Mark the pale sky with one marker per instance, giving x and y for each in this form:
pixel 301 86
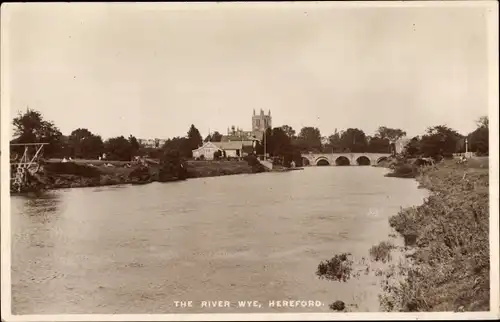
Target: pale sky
pixel 152 71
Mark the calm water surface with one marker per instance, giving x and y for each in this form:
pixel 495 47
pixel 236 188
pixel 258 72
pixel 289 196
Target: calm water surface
pixel 137 249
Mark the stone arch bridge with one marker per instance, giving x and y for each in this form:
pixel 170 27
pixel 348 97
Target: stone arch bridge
pixel 336 159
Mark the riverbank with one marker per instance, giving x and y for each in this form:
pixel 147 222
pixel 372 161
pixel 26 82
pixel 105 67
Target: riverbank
pixel 200 169
pixel 447 243
pixel 94 173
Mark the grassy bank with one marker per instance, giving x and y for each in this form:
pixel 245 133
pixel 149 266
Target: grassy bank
pixel 198 169
pixel 92 173
pixel 448 240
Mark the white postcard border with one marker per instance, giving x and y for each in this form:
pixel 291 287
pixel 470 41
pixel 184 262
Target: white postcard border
pixel 492 8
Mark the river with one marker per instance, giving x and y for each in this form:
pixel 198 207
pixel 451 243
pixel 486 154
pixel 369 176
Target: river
pixel 137 249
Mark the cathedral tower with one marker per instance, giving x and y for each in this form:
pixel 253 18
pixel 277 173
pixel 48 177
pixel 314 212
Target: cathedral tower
pixel 261 122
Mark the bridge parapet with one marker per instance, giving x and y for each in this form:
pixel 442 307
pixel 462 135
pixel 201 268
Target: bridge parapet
pixel 344 158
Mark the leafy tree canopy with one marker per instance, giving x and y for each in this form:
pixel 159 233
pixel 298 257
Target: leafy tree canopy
pixel 479 138
pixel 194 138
pixel 354 140
pixel 391 134
pixel 439 140
pixel 289 131
pixel 30 127
pixel 84 144
pixel 119 148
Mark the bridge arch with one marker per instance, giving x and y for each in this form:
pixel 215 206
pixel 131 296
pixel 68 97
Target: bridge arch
pixel 322 161
pixel 363 160
pixel 305 161
pixel 342 160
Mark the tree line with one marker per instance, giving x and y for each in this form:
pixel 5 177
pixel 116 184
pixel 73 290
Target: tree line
pixel 282 142
pixel 442 141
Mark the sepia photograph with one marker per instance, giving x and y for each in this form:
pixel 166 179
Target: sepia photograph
pixel 249 161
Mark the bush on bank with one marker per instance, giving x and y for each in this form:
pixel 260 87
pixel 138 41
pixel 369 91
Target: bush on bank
pixel 382 251
pixel 338 268
pixel 172 167
pixel 255 164
pixel 404 171
pixel 450 268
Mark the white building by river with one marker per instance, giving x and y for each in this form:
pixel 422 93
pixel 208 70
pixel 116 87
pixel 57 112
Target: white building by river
pixel 233 149
pixel 207 150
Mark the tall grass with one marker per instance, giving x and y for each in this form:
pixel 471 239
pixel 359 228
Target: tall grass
pixel 450 266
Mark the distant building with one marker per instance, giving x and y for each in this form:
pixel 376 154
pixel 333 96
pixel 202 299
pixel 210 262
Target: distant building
pixel 152 143
pixel 207 150
pixel 232 149
pixel 260 122
pixel 235 149
pixel 236 134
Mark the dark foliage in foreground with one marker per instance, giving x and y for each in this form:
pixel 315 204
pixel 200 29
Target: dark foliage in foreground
pixel 382 251
pixel 404 170
pixel 339 268
pixel 450 231
pixel 337 306
pixel 172 167
pixel 255 164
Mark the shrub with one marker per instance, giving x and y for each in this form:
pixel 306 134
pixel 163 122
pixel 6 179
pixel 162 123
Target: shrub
pixel 339 268
pixel 252 160
pixel 382 251
pixel 141 174
pixel 404 170
pixel 337 306
pixel 172 167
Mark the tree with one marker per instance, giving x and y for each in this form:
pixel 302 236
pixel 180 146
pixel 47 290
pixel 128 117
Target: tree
pixel 216 137
pixel 412 148
pixel 134 143
pixel 119 148
pixel 282 146
pixel 483 122
pixel 439 141
pixel 281 142
pixel 194 139
pixel 379 145
pixel 309 139
pixel 354 140
pixel 391 134
pixel 289 131
pixel 259 148
pixel 180 145
pixel 267 141
pixel 84 144
pixel 30 127
pixel 334 142
pixel 172 167
pixel 479 138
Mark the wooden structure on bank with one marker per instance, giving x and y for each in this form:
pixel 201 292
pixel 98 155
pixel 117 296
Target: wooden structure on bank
pixel 25 166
